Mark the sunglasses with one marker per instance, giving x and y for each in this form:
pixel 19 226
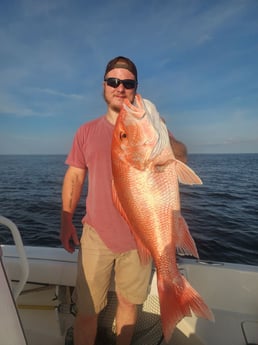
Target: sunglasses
pixel 115 82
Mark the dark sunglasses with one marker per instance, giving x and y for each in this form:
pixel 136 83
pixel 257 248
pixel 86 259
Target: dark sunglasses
pixel 115 82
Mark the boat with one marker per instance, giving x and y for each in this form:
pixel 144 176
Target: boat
pixel 36 285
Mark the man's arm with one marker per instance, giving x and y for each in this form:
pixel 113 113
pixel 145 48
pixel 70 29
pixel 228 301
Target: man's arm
pixel 179 149
pixel 71 192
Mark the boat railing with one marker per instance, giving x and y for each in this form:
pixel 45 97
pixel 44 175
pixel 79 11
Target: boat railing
pixel 24 265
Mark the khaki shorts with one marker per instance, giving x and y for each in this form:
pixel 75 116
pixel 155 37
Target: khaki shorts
pixel 95 266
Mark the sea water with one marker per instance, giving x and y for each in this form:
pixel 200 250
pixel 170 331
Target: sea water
pixel 222 214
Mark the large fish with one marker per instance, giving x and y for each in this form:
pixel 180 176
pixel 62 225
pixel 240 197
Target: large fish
pixel 146 192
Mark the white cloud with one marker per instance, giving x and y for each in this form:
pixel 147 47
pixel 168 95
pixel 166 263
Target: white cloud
pixel 59 94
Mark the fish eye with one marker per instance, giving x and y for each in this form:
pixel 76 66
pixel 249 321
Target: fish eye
pixel 123 135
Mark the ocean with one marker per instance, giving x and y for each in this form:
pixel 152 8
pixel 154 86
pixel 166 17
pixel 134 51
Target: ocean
pixel 222 214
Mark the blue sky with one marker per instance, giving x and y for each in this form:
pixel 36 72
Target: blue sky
pixel 197 61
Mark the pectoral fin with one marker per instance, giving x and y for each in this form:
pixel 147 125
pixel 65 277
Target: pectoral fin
pixel 186 175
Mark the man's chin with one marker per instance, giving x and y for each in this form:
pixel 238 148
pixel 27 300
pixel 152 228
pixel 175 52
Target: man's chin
pixel 116 108
pixel 116 104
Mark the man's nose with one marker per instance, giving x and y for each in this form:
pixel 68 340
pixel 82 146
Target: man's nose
pixel 121 87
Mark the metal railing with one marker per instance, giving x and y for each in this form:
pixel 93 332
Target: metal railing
pixel 24 265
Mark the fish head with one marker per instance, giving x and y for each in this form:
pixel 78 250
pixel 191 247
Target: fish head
pixel 140 134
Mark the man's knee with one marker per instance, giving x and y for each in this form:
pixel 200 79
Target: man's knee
pixel 124 302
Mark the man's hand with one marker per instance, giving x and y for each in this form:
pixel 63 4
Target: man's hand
pixel 68 233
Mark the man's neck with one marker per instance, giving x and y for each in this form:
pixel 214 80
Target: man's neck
pixel 111 116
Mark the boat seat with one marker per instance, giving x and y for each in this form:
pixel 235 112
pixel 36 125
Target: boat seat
pixel 250 332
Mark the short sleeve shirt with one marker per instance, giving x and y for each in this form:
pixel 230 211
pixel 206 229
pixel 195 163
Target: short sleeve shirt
pixel 91 150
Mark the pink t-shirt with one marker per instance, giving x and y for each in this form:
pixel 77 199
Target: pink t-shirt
pixel 91 149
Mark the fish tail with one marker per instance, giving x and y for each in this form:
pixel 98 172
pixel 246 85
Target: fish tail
pixel 196 303
pixel 177 300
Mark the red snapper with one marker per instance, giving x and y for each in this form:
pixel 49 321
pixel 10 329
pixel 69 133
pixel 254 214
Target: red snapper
pixel 146 178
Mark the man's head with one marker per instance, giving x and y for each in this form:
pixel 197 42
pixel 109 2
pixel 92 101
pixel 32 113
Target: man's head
pixel 121 62
pixel 120 82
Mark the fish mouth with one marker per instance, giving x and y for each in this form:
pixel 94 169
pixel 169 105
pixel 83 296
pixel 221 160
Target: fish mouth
pixel 136 109
pixel 157 136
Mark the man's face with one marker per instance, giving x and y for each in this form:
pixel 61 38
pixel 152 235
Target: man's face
pixel 114 97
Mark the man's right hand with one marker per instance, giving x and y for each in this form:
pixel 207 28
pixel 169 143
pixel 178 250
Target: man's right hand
pixel 68 233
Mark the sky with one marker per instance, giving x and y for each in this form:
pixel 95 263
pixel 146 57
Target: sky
pixel 197 60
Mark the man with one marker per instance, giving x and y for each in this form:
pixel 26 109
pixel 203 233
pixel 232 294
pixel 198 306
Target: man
pixel 106 241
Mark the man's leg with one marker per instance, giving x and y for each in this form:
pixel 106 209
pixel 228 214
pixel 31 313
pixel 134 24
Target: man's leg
pixel 95 263
pixel 126 316
pixel 132 283
pixel 85 329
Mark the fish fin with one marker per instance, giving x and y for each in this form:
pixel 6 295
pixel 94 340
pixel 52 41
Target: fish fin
pixel 177 300
pixel 184 242
pixel 186 175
